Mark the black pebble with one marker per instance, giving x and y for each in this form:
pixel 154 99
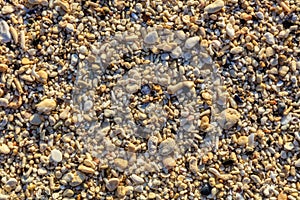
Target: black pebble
pixel 206 189
pixel 280 108
pixel 228 162
pixel 238 99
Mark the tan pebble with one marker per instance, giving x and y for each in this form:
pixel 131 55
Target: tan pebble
pixel 283 70
pixel 206 96
pixel 237 50
pixel 7 10
pixel 112 184
pixel 282 196
pixel 63 4
pixel 38 2
pixel 26 61
pixel 169 162
pixel 151 195
pixel 46 105
pixel 242 141
pixel 121 164
pixel 43 76
pixel 86 169
pixel 3 67
pixel 121 191
pixel 4 149
pixel 228 118
pixel 14 34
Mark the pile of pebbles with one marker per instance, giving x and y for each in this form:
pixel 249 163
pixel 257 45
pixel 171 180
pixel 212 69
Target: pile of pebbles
pixel 249 115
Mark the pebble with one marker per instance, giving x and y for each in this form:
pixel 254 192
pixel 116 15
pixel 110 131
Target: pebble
pixel 214 7
pixel 237 50
pixel 269 38
pixel 4 197
pixel 283 70
pixel 191 42
pixel 77 178
pixel 289 146
pixel 167 146
pixel 86 169
pixel 3 102
pixel 151 37
pixel 46 105
pixel 70 28
pixel 68 193
pixel 230 30
pixel 12 183
pixel 228 118
pixel 43 76
pixel 137 179
pixel 56 155
pixel 112 184
pixel 176 52
pixel 5 35
pixel 3 67
pixel 242 141
pixel 297 163
pixel 35 119
pixel 7 10
pixel 121 164
pixel 169 162
pixel 282 196
pixel 206 189
pixel 4 149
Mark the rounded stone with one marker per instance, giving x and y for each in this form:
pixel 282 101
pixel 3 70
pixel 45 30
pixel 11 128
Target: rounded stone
pixel 56 155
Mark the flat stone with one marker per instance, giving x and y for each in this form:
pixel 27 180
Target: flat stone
pixel 46 105
pixel 151 37
pixel 112 184
pixel 5 35
pixel 35 119
pixel 297 163
pixel 121 164
pixel 56 155
pixel 191 42
pixel 86 169
pixel 214 7
pixel 4 149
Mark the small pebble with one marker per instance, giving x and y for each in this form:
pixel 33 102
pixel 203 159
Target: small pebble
pixel 214 7
pixel 243 140
pixel 46 105
pixel 4 149
pixel 191 42
pixel 269 38
pixel 137 179
pixel 151 37
pixel 12 183
pixel 121 164
pixel 70 27
pixel 7 10
pixel 206 189
pixel 5 35
pixel 297 163
pixel 236 50
pixel 169 162
pixel 56 155
pixel 112 184
pixel 3 67
pixel 86 169
pixel 35 119
pixel 289 146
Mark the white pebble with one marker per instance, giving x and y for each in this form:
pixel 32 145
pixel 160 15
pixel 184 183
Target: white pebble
pixel 191 42
pixel 269 38
pixel 214 7
pixel 230 30
pixel 5 35
pixel 56 155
